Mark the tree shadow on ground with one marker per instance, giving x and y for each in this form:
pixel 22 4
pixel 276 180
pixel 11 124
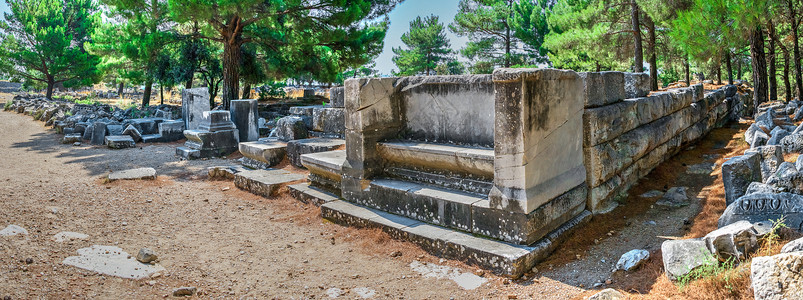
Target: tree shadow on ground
pixel 99 160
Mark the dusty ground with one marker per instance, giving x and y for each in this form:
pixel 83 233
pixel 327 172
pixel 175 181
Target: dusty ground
pixel 232 244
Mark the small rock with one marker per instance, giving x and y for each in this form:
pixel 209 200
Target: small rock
pixel 652 194
pixel 793 246
pixel 632 259
pixel 146 255
pixel 76 144
pixel 29 261
pixel 674 197
pixel 607 294
pixel 395 254
pixel 184 291
pixel 12 230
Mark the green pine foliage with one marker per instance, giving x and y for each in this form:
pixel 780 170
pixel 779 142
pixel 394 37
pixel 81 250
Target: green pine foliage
pixel 427 47
pixel 43 42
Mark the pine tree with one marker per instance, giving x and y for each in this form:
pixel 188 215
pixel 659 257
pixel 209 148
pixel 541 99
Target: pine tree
pixel 144 29
pixel 43 41
pixel 322 38
pixel 427 46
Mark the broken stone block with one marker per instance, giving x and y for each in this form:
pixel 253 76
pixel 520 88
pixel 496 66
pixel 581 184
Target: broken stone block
pixel 184 291
pixel 216 136
pixel 674 197
pixel 683 256
pixel 71 138
pixel 329 120
pixel 771 158
pixel 734 241
pixel 296 148
pixel 170 131
pixel 759 139
pixel 337 97
pixel 738 173
pixel 792 143
pixel 758 187
pixel 114 129
pixel 291 128
pixel 793 246
pixel 765 206
pixel 140 173
pixel 119 141
pixel 636 85
pixel 632 259
pixel 787 179
pixel 261 154
pixel 777 276
pixel 133 132
pixel 98 133
pixel 194 102
pixel 244 115
pixel 603 88
pixel 777 135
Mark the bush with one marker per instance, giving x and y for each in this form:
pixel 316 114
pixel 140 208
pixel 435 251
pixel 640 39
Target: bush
pixel 272 90
pixel 8 104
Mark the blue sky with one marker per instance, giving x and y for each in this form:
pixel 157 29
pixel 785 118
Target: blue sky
pixel 400 19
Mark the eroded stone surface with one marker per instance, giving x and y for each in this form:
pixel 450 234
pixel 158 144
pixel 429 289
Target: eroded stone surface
pixel 112 261
pixel 12 230
pixel 65 236
pixel 778 276
pixel 140 173
pixel 682 256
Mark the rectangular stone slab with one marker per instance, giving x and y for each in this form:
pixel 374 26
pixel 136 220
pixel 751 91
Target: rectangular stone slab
pixel 140 173
pixel 265 154
pixel 327 164
pixel 265 182
pixel 499 257
pixel 442 157
pixel 307 193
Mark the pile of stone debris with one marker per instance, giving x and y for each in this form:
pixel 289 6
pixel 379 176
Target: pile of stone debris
pixel 103 124
pixel 761 189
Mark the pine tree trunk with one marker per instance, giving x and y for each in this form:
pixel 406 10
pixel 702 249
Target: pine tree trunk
pixel 786 84
pixel 146 97
pixel 773 81
pixel 728 66
pixel 653 55
pixel 161 94
pixel 719 73
pixel 247 91
pixel 639 55
pixel 231 73
pixel 738 67
pixel 795 49
pixel 120 90
pixel 50 84
pixel 688 76
pixel 759 66
pixel 188 84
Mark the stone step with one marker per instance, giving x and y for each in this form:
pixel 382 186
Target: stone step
pixel 262 154
pixel 477 186
pixel 325 168
pixel 474 162
pixel 307 193
pixel 265 182
pixel 499 257
pixel 436 205
pixel 187 153
pixel 297 148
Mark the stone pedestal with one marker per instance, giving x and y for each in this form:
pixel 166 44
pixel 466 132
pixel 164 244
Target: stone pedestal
pixel 216 136
pixel 244 115
pixel 194 102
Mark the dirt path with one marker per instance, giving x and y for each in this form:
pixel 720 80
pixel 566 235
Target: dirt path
pixel 232 244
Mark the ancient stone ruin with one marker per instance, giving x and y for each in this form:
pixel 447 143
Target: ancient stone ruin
pixel 497 169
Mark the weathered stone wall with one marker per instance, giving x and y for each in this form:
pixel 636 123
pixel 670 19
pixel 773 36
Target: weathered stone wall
pixel 450 109
pixel 624 139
